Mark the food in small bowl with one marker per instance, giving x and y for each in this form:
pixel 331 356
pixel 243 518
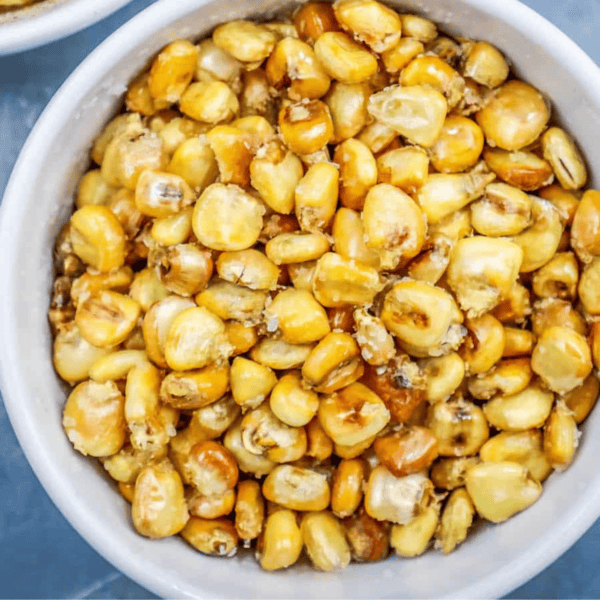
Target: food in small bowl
pixel 39 201
pixel 330 285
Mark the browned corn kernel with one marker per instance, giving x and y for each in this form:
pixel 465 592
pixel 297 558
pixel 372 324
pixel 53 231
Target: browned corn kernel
pixel 276 224
pixel 241 336
pixel 233 149
pixel 73 355
pixel 297 247
pixel 183 269
pixel 341 319
pixel 419 28
pixel 291 402
pixel 552 312
pixel 450 473
pixel 541 240
pixel 256 464
pixel 162 194
pixel 249 268
pixel 316 197
pixel 122 205
pixel 376 344
pixel 358 172
pixel 314 18
pixel 293 65
pixel 275 172
pixel 347 104
pixel 400 386
pixel 595 343
pixel 565 201
pixel 172 71
pixel 279 354
pixel 320 446
pixel 347 487
pixel 93 418
pixel 157 323
pixel 107 319
pixel 352 450
pixel 138 98
pixel 523 447
pixel 281 543
pixel 249 510
pixel 585 231
pixel 158 508
pixel 588 288
pixel 190 390
pixel 348 235
pixel 557 278
pixel 299 317
pixel 352 415
pixel 264 434
pixel 459 425
pixel 394 225
pixel 325 542
pixel 413 538
pixel 301 275
pixel 423 317
pixel 245 40
pixel 210 507
pixel 504 210
pixel 561 152
pixel 194 161
pixel 377 137
pixel 433 71
pixel 113 128
pixel 297 488
pixel 431 264
pixel 93 190
pixel 508 376
pixel 227 218
pixel 129 153
pixel 416 112
pixel 230 301
pixel 214 63
pixel 517 412
pixel 561 437
pixel 517 342
pixel 522 169
pixel 98 238
pixel 339 281
pixel 396 499
pixel 117 280
pixel 442 194
pixel 581 400
pixel 367 537
pixel 306 127
pixel 196 337
pixel 406 168
pixel 211 468
pixel 501 489
pixel 514 116
pixel 215 537
pixel 251 382
pixel 481 284
pixel 455 521
pixel 343 59
pixel 443 375
pixel 126 490
pixel 147 289
pixel 484 344
pixel 407 451
pixel 562 359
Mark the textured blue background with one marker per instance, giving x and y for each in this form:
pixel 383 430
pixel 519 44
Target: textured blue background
pixel 41 556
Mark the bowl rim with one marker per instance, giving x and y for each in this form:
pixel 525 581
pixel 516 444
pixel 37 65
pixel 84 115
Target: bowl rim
pixel 155 18
pixel 53 24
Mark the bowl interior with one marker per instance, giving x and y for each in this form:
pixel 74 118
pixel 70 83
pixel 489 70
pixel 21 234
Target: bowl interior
pixel 38 201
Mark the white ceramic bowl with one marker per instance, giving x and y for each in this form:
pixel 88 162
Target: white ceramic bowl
pixel 50 20
pixel 38 200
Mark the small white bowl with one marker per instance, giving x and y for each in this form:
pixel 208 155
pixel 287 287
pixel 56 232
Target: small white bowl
pixel 38 200
pixel 50 20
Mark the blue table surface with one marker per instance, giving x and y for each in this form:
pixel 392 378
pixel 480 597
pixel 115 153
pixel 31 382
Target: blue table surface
pixel 41 555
